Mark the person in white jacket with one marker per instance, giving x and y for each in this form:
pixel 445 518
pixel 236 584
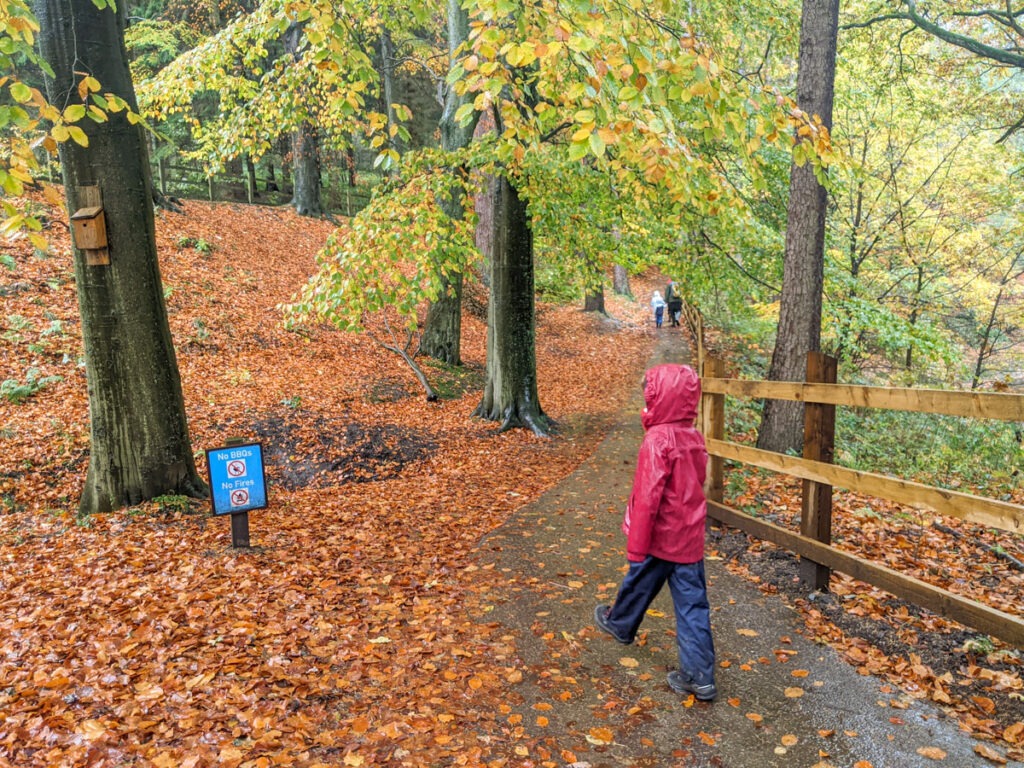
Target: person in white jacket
pixel 658 305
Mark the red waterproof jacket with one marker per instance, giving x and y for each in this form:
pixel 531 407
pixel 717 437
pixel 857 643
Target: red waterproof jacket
pixel 666 511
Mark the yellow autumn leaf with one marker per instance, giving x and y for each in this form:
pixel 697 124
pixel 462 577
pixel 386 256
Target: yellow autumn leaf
pixel 92 729
pixel 629 661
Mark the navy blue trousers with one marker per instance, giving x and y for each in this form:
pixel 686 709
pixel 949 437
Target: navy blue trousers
pixel 690 599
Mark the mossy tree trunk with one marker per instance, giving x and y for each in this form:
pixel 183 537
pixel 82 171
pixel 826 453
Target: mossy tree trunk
pixel 510 388
pixel 442 331
pixel 139 441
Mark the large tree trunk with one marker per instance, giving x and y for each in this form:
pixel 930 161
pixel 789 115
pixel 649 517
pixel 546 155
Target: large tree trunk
pixel 510 388
pixel 139 442
pixel 442 332
pixel 594 300
pixel 799 331
pixel 306 171
pixel 620 281
pixel 305 149
pixel 483 204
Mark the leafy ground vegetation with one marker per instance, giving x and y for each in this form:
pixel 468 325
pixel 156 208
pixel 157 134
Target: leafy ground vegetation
pixel 356 621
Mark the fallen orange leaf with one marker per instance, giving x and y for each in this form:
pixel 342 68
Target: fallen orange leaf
pixel 989 754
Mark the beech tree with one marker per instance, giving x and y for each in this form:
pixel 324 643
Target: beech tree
pixel 799 329
pixel 140 444
pixel 442 331
pixel 562 85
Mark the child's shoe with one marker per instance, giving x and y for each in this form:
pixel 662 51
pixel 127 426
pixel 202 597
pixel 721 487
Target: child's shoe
pixel 601 619
pixel 680 684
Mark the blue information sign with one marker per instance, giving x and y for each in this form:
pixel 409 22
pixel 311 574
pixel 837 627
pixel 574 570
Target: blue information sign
pixel 237 481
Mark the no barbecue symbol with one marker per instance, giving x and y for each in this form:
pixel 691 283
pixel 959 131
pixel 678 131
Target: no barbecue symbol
pixel 237 481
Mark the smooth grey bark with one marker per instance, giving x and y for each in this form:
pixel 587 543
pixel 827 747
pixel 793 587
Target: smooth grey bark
pixel 387 75
pixel 804 261
pixel 510 388
pixel 305 150
pixel 139 441
pixel 620 281
pixel 442 331
pixel 306 171
pixel 483 205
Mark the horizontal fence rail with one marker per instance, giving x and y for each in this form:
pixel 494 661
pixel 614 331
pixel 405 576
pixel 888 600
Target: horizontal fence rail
pixel 936 599
pixel 819 475
pixel 991 513
pixel 978 405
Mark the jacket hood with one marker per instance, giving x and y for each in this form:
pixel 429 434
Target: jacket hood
pixel 671 394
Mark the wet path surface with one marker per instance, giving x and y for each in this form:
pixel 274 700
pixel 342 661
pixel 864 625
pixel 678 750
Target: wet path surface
pixel 585 700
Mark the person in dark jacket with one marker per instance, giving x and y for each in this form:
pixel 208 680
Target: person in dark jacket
pixel 674 301
pixel 664 526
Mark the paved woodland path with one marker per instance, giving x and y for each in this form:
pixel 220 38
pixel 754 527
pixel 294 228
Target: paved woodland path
pixel 783 699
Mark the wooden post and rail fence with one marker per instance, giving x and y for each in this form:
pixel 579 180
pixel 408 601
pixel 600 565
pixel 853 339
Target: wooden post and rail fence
pixel 813 543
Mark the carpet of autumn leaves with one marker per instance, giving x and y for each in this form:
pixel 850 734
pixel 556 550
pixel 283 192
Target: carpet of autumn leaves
pixel 355 632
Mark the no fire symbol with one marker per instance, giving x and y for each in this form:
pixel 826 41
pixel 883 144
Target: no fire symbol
pixel 239 497
pixel 236 468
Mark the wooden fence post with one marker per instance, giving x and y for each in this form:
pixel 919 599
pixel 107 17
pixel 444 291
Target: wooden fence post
pixel 713 416
pixel 819 444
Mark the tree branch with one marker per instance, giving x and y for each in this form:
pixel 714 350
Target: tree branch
pixel 962 41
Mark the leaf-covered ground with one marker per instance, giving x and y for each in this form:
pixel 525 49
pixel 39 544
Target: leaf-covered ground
pixel 141 638
pixel 359 629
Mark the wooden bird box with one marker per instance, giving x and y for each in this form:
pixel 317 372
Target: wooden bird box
pixel 90 228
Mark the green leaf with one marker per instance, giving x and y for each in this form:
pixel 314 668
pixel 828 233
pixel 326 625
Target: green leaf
pixel 74 113
pixel 463 113
pixel 20 92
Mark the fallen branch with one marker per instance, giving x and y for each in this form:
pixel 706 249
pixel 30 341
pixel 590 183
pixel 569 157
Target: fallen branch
pixel 997 551
pixel 403 352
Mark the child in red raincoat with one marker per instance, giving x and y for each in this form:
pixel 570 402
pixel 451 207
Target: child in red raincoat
pixel 664 526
